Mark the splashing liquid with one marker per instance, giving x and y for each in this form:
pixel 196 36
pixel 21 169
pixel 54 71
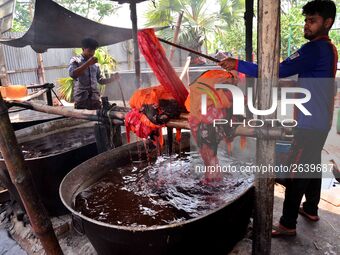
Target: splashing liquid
pixel 165 192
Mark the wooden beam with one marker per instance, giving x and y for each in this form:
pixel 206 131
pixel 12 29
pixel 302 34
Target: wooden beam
pixel 268 59
pixel 21 178
pixel 118 117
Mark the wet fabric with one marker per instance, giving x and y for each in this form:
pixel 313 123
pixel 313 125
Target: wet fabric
pixel 219 106
pixel 157 60
pixel 152 108
pixel 53 26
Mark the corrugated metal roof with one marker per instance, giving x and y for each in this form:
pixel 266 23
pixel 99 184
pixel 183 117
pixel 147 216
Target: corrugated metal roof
pixel 6 14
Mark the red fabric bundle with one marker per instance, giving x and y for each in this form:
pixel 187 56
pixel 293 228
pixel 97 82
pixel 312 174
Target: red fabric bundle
pixel 156 58
pixel 138 123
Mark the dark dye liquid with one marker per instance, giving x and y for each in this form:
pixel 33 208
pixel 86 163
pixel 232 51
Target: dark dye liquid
pixel 58 142
pixel 168 191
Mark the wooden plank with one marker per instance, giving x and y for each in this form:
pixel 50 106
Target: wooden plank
pixel 268 58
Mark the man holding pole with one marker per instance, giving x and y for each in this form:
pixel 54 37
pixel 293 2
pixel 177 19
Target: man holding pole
pixel 86 74
pixel 314 62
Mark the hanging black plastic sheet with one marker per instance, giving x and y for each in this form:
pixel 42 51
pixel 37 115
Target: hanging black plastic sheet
pixel 53 26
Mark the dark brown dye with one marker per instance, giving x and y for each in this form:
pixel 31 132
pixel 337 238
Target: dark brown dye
pixel 168 191
pixel 58 142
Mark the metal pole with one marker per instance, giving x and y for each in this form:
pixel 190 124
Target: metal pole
pixel 189 50
pixel 269 58
pixel 133 15
pixel 49 97
pixel 21 178
pixel 248 19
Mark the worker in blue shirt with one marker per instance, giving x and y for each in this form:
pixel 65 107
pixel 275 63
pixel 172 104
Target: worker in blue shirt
pixel 315 63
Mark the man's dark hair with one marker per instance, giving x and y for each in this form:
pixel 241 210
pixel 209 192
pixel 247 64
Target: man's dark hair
pixel 325 8
pixel 89 43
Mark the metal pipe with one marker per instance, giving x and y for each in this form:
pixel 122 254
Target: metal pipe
pixel 133 16
pixel 190 50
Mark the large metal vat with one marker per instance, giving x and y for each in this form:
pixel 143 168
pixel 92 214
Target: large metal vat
pixel 48 171
pixel 213 233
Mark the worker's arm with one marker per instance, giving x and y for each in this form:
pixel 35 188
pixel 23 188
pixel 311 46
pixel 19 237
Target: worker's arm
pixel 75 70
pixel 303 60
pixel 102 80
pixel 287 83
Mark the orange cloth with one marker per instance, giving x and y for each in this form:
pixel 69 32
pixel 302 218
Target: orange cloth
pixel 138 122
pixel 205 84
pixel 149 95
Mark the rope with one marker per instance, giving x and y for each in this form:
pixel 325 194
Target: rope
pixel 111 125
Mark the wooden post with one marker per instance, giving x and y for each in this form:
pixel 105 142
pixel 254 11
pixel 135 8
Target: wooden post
pixel 177 30
pixel 133 14
pixel 4 79
pixel 268 56
pixel 40 69
pixel 20 176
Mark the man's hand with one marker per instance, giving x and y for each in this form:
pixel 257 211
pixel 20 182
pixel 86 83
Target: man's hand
pixel 92 61
pixel 228 64
pixel 115 76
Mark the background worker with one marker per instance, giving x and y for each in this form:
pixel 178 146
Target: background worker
pixel 86 74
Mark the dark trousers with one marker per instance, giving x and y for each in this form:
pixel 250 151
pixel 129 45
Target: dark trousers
pixel 306 149
pixel 88 104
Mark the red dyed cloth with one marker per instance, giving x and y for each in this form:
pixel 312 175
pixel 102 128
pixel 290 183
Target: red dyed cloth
pixel 151 108
pixel 219 106
pixel 156 58
pixel 138 123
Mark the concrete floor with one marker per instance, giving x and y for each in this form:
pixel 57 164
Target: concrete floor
pixel 313 238
pixel 322 237
pixel 9 246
